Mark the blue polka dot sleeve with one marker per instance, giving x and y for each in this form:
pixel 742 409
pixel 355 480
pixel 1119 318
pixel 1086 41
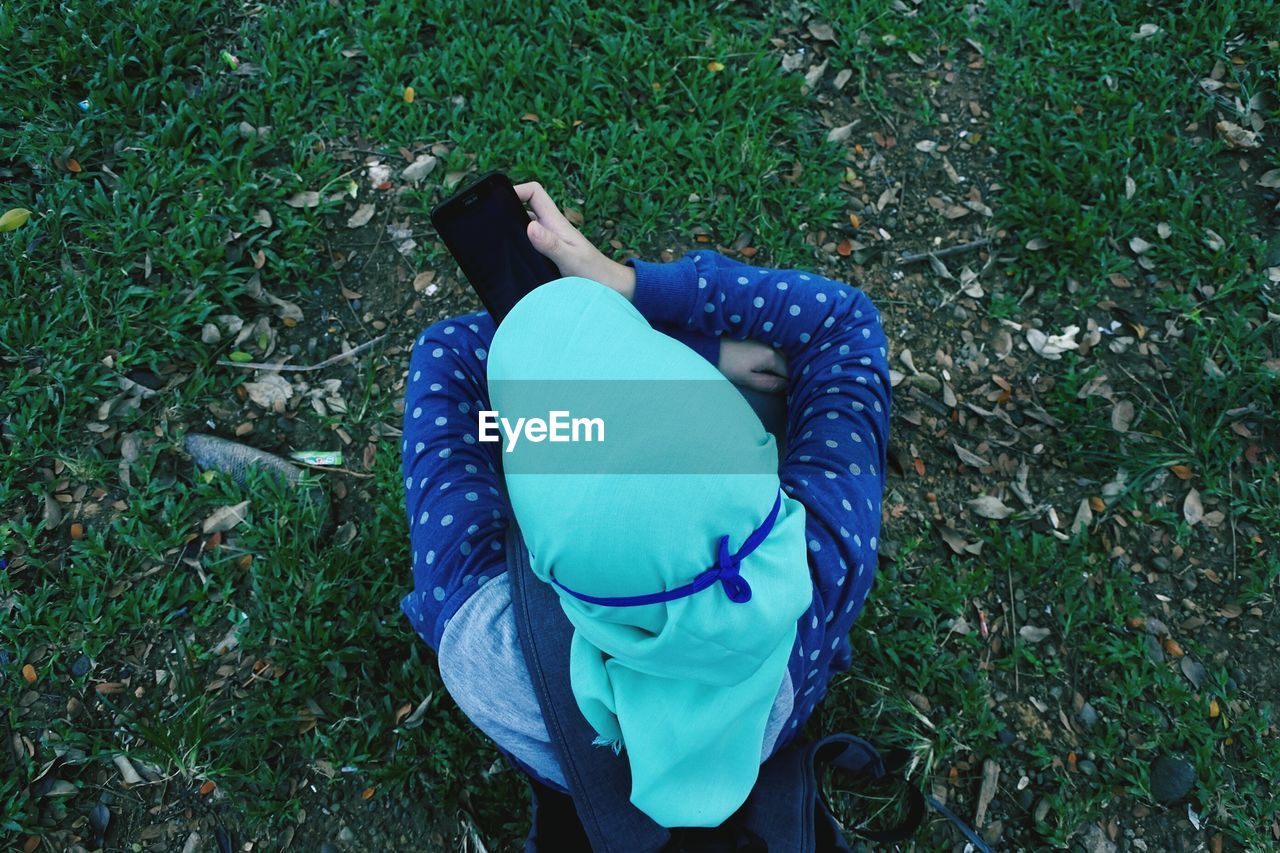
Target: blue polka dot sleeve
pixel 457 513
pixel 837 422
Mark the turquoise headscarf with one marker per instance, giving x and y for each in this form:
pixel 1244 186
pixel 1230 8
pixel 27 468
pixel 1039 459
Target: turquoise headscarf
pixel 685 686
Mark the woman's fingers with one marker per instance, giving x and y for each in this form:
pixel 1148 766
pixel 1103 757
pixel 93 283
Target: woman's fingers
pixel 544 208
pixel 774 363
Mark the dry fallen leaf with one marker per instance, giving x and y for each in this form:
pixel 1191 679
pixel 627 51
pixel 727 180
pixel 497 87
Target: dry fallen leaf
pixel 1182 472
pixel 225 518
pixel 1270 179
pixel 1033 634
pixel 956 542
pixel 419 168
pixel 1052 346
pixel 989 507
pixel 1122 416
pixel 821 31
pixel 1236 136
pixel 1192 509
pixel 1084 516
pixel 969 458
pixel 272 391
pixel 422 281
pixel 362 215
pixel 308 198
pixel 840 134
pixel 1038 244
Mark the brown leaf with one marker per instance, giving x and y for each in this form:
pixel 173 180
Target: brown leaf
pixel 841 133
pixel 1192 509
pixel 1033 634
pixel 956 542
pixel 272 391
pixel 1084 516
pixel 422 280
pixel 821 31
pixel 308 198
pixel 1192 670
pixel 225 517
pixel 420 168
pixel 575 217
pixel 1122 416
pixel 969 458
pixel 1182 472
pixel 1236 136
pixel 348 293
pixel 989 507
pixel 29 674
pixel 362 215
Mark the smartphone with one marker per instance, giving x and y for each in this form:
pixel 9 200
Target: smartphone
pixel 485 228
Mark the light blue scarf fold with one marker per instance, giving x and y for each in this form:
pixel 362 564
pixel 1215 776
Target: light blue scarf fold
pixel 685 686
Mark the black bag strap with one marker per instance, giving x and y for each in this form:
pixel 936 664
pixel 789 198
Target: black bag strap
pixel 598 779
pixel 786 810
pixel 853 754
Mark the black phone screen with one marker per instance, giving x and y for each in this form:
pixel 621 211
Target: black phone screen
pixel 485 229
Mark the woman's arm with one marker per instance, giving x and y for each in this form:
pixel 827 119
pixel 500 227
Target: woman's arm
pixel 457 511
pixel 837 403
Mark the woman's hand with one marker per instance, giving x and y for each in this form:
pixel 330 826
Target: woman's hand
pixel 754 365
pixel 556 238
pixel 748 363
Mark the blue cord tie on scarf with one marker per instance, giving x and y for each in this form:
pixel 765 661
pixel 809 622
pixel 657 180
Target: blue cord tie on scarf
pixel 727 570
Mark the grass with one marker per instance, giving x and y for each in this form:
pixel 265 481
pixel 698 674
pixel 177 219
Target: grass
pixel 125 260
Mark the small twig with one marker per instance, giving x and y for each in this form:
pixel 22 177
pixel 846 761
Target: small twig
pixel 915 257
pixel 1231 514
pixel 381 232
pixel 255 365
pixel 1013 633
